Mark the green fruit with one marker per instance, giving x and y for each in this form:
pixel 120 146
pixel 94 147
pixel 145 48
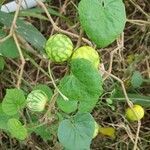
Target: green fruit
pixel 135 115
pixel 96 130
pixel 36 101
pixel 59 48
pixel 88 53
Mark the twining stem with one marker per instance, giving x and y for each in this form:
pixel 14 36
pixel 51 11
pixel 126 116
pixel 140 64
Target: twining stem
pixel 22 60
pixel 54 84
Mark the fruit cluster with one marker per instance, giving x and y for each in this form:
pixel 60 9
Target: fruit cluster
pixel 59 48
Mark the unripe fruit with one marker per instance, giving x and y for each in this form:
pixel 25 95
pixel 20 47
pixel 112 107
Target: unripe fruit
pixel 138 113
pixel 36 101
pixel 96 130
pixel 59 48
pixel 88 53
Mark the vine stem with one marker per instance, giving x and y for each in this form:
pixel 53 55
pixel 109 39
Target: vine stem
pixel 22 60
pixel 111 61
pixel 54 84
pixel 123 87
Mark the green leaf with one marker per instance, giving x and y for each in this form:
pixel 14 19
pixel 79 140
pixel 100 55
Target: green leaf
pixel 67 106
pixel 4 119
pixel 44 132
pixel 2 63
pixel 136 79
pixel 26 30
pixel 8 48
pixel 30 13
pixel 102 20
pixel 16 129
pixel 37 13
pixel 13 101
pixel 82 86
pixel 76 133
pixel 45 89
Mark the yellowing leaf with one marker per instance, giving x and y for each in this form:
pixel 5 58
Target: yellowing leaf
pixel 107 131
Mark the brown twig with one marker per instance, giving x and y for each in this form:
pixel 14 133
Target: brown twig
pixel 111 61
pixel 50 106
pixel 56 28
pixel 137 135
pixel 62 10
pixel 123 87
pixel 138 22
pixel 13 25
pixel 22 60
pixel 140 9
pixel 12 33
pixel 130 104
pixel 148 67
pixel 79 39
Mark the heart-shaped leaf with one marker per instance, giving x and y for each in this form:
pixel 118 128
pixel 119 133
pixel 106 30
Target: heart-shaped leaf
pixel 102 20
pixel 13 101
pixel 76 133
pixel 83 86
